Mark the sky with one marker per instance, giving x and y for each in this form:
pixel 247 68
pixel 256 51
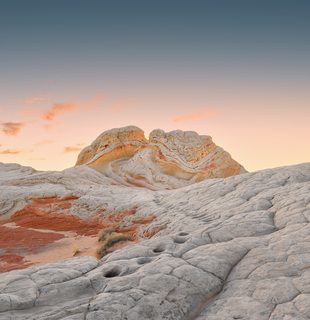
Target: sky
pixel 238 71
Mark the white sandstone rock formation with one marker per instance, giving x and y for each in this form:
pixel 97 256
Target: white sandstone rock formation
pixel 226 248
pixel 165 161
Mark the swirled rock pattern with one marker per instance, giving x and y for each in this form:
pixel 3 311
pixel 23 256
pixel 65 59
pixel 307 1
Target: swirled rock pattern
pixel 225 248
pixel 165 161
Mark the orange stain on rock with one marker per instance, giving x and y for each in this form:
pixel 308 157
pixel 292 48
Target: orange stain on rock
pixel 10 262
pixel 25 239
pixel 138 181
pixel 56 222
pixel 17 241
pixel 54 214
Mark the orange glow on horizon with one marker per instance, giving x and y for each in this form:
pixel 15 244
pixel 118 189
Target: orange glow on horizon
pixel 255 138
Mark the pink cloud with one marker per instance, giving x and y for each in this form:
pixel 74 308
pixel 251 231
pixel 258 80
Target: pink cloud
pixel 70 149
pixel 59 108
pixel 9 152
pixel 194 116
pixel 12 128
pixel 33 112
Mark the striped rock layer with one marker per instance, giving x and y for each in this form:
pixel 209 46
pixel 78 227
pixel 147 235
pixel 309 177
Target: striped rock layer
pixel 167 160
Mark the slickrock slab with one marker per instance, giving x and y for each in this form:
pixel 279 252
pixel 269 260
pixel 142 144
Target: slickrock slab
pixel 168 160
pixel 233 248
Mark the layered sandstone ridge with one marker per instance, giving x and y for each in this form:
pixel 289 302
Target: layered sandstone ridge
pixel 168 160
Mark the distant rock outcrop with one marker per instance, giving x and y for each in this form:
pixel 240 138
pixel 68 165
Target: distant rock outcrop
pixel 168 160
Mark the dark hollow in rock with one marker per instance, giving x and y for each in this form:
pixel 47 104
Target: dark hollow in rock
pixel 115 271
pixel 144 260
pixel 179 240
pixel 183 234
pixel 159 249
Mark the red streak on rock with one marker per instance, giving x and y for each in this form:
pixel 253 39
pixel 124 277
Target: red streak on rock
pixel 57 222
pixel 53 200
pixel 161 155
pixel 53 213
pixel 20 241
pixel 25 239
pixel 48 213
pixel 137 182
pixel 10 262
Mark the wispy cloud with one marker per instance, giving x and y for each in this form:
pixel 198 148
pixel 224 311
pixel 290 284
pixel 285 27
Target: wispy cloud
pixel 9 151
pixel 74 148
pixel 194 116
pixel 59 108
pixel 30 101
pixel 34 112
pixel 11 128
pixel 123 104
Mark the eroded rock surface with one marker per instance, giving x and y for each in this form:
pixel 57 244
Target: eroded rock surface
pixel 168 160
pixel 233 248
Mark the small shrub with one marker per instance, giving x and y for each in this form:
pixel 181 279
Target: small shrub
pixel 110 239
pixel 115 238
pixel 103 234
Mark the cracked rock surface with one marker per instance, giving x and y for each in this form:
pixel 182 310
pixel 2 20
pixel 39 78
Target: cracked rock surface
pixel 231 248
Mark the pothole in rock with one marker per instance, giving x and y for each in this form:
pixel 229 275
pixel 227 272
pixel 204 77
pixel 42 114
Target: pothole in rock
pixel 114 272
pixel 144 260
pixel 159 249
pixel 183 234
pixel 179 240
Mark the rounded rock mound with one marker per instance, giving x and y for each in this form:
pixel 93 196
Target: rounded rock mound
pixel 167 160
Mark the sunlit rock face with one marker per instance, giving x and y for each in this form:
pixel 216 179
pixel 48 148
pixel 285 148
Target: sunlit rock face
pixel 168 160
